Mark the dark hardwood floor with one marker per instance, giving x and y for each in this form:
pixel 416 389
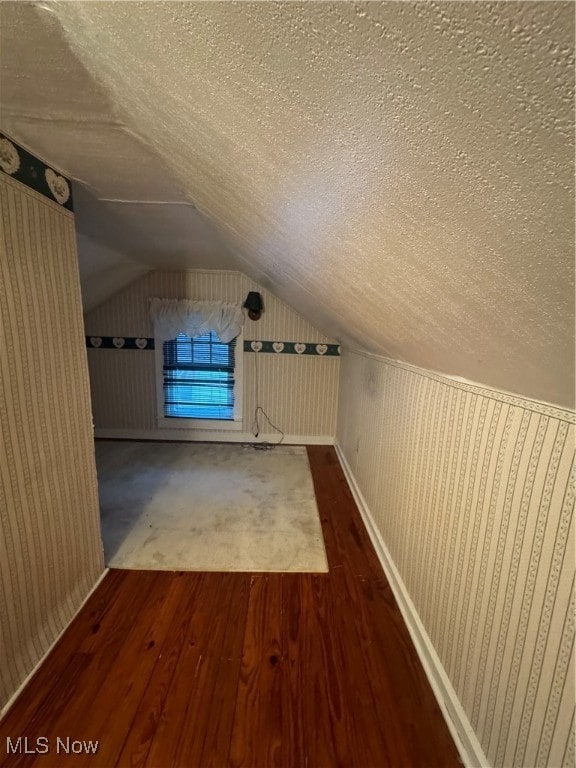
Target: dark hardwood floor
pixel 237 669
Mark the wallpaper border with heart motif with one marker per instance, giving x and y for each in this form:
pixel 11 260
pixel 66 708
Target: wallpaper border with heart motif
pixel 119 342
pixel 270 347
pixel 292 348
pixel 19 164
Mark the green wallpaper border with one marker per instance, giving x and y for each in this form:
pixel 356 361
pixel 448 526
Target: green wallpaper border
pixel 292 348
pixel 17 163
pixel 267 347
pixel 119 342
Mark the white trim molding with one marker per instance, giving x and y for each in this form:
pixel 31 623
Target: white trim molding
pixel 214 436
pixel 462 732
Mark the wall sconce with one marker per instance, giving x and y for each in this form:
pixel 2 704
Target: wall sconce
pixel 254 305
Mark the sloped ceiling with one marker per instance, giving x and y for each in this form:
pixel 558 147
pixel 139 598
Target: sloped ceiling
pixel 400 173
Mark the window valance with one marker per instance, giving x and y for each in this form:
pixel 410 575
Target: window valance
pixel 195 318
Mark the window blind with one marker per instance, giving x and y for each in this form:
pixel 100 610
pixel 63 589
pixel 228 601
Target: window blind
pixel 199 377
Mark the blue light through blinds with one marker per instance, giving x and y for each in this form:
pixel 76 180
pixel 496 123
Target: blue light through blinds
pixel 199 377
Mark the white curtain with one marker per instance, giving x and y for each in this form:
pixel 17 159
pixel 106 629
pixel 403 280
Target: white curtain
pixel 194 318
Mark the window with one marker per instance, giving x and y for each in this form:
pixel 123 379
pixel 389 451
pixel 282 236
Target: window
pixel 200 382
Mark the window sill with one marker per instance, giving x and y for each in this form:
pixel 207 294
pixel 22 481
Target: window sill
pixel 217 425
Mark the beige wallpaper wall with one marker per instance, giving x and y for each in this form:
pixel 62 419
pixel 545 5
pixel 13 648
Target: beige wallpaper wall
pixel 472 491
pixel 299 392
pixel 50 546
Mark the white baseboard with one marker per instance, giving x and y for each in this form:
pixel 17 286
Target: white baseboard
pixel 465 739
pixel 44 656
pixel 200 436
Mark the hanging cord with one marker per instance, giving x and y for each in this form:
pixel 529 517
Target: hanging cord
pixel 255 425
pixel 259 410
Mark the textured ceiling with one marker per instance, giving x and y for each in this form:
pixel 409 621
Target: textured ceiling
pixel 400 173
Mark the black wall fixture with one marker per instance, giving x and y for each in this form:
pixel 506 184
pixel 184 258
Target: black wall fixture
pixel 254 305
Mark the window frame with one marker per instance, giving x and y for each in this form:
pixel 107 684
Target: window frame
pixel 179 422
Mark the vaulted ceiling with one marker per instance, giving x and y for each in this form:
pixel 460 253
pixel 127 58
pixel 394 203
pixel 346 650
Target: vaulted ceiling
pixel 400 173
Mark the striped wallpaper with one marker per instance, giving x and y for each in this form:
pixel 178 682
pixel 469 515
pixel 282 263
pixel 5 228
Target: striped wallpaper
pixel 299 392
pixel 50 546
pixel 472 491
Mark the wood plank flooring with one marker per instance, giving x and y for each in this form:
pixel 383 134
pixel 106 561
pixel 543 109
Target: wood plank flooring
pixel 200 670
